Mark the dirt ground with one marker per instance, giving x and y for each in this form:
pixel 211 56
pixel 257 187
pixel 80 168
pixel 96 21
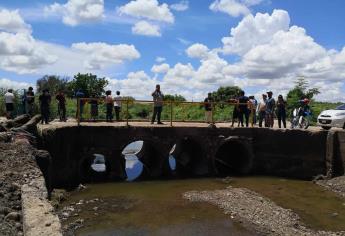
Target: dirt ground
pixel 17 167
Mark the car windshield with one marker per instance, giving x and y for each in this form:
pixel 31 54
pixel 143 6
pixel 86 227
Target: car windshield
pixel 341 107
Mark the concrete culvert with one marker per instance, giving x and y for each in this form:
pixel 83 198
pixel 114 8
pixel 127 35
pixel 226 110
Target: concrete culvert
pixel 190 158
pixel 233 157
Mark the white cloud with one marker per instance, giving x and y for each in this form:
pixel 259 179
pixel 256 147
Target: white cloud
pixel 147 9
pixel 198 51
pixel 21 53
pixel 181 6
pixel 76 12
pixel 137 84
pixel 160 59
pixel 102 54
pixel 253 31
pixel 160 69
pixel 11 84
pixel 147 29
pixel 11 21
pixel 234 8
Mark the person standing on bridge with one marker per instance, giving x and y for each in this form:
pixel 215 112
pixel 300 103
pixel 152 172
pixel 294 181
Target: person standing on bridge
pixel 157 105
pixel 60 97
pixel 261 109
pixel 30 101
pixel 281 111
pixel 117 105
pixel 270 106
pixel 9 100
pixel 208 104
pixel 109 106
pixel 243 108
pixel 45 100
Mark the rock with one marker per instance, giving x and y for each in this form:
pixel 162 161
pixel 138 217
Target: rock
pixel 95 208
pixel 335 214
pixel 81 187
pixel 14 216
pixel 18 226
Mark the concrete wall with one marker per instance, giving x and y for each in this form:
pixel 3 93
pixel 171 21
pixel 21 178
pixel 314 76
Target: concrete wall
pixel 199 151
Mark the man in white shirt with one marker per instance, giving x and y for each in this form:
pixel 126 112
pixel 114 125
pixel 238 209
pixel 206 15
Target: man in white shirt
pixel 9 100
pixel 117 105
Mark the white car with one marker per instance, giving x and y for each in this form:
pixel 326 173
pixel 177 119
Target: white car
pixel 332 118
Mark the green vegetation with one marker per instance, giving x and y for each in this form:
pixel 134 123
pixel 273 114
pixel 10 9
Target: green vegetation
pixel 94 86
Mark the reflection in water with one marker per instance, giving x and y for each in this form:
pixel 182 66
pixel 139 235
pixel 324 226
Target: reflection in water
pixel 172 162
pixel 98 164
pixel 134 167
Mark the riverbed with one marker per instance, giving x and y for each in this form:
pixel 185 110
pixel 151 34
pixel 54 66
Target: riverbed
pixel 158 208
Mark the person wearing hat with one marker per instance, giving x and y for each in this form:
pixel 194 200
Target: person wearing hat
pixel 281 111
pixel 270 106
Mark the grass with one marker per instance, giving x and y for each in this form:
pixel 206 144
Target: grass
pixel 136 111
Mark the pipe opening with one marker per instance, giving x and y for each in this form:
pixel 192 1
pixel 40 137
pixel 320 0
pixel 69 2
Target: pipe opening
pixel 190 158
pixel 233 158
pixel 94 168
pixel 133 166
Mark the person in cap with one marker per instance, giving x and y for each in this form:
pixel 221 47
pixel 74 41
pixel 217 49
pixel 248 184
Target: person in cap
pixel 270 107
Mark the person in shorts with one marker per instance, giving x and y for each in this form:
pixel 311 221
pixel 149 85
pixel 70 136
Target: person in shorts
pixel 9 101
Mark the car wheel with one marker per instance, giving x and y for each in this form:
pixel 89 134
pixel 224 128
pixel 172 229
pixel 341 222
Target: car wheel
pixel 326 127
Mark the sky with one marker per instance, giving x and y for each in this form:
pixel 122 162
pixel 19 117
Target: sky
pixel 189 47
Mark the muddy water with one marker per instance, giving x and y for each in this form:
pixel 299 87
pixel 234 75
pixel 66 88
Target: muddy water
pixel 157 208
pixel 152 208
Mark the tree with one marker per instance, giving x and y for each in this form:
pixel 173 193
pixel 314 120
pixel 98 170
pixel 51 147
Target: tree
pixel 299 92
pixel 175 98
pixel 226 93
pixel 90 84
pixel 52 82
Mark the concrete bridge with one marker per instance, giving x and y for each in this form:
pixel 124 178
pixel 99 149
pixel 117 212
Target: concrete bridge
pixel 198 150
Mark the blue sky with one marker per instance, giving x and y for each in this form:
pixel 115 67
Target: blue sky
pixel 188 42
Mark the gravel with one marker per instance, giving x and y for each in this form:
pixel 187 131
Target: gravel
pixel 336 185
pixel 251 208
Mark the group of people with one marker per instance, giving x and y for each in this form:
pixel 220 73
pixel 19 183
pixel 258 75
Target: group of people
pixel 244 107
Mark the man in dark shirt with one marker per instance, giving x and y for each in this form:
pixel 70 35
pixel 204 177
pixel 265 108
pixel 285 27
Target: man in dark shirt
pixel 45 100
pixel 208 108
pixel 243 108
pixel 157 105
pixel 30 101
pixel 60 97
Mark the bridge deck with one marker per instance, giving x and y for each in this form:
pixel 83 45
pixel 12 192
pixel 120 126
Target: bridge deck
pixel 72 123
